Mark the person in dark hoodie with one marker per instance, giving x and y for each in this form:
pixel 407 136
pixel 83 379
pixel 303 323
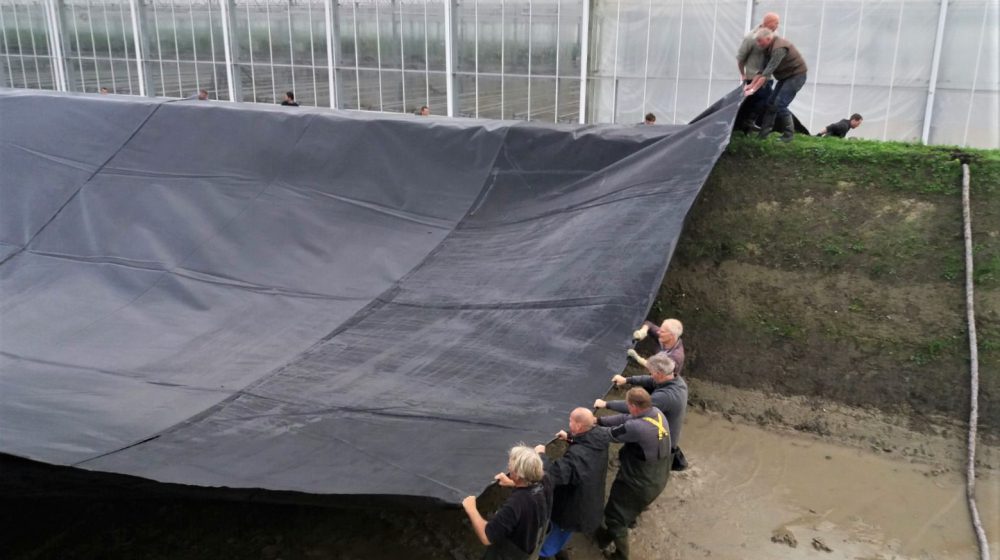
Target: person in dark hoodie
pixel 579 478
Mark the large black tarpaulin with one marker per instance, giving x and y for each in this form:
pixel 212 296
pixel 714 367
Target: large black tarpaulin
pixel 303 300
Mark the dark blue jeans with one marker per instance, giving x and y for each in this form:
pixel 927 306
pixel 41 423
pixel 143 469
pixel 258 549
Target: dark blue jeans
pixel 783 94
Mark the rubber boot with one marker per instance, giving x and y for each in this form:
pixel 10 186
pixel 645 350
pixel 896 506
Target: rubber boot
pixel 621 548
pixel 788 128
pixel 767 125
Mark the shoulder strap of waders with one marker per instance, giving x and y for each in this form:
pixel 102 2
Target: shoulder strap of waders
pixel 661 429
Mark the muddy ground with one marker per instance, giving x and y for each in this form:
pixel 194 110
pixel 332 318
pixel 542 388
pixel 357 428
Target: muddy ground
pixel 868 488
pixel 821 292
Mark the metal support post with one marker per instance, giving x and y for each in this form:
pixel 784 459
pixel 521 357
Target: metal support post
pixel 229 50
pixel 935 62
pixel 331 11
pixel 53 29
pixel 140 44
pixel 584 51
pixel 450 26
pixel 59 14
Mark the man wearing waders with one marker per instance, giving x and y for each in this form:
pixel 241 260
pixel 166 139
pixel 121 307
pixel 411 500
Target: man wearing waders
pixel 644 467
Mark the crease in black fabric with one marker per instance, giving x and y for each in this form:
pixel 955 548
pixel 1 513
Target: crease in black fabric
pixel 73 196
pixel 376 303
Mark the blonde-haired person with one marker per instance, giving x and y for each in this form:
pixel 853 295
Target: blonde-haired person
pixel 668 336
pixel 517 529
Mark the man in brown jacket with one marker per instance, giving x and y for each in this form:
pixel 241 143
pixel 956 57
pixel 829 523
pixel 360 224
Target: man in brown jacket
pixel 788 67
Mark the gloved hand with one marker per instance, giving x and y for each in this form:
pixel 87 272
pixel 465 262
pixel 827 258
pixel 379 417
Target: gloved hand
pixel 640 334
pixel 635 356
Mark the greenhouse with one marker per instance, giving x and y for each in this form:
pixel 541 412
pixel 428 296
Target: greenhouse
pixel 918 70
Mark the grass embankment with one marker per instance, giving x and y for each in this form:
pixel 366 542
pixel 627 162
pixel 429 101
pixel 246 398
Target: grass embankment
pixel 835 269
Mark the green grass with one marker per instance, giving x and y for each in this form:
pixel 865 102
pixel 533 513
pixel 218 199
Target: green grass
pixel 896 165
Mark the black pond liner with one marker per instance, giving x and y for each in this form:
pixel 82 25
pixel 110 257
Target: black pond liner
pixel 315 303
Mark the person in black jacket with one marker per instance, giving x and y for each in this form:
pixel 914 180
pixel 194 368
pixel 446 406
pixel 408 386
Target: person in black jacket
pixel 517 530
pixel 579 478
pixel 842 127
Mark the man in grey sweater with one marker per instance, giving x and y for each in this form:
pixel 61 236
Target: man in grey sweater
pixel 750 60
pixel 669 393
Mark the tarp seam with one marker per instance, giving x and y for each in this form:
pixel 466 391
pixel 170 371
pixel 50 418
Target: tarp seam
pixel 73 196
pixel 376 303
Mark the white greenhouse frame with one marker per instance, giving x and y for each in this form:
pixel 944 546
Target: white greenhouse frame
pixel 522 58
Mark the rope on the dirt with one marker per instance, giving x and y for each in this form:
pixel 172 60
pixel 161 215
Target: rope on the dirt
pixel 970 473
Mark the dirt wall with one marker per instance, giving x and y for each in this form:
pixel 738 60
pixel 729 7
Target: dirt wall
pixel 835 269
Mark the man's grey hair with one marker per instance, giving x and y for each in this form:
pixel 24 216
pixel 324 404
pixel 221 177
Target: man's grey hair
pixel 674 326
pixel 763 33
pixel 525 463
pixel 661 363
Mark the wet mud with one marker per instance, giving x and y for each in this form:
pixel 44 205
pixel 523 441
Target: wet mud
pixel 754 490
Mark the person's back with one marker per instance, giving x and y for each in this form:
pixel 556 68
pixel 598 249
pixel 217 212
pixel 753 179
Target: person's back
pixel 792 63
pixel 644 467
pixel 580 478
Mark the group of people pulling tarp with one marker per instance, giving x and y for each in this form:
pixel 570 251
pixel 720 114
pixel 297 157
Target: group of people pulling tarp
pixel 553 498
pixel 773 71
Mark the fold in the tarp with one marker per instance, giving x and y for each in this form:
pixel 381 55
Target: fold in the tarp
pixel 309 301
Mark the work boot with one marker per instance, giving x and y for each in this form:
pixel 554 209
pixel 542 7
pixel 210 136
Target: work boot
pixel 788 128
pixel 621 548
pixel 767 124
pixel 562 555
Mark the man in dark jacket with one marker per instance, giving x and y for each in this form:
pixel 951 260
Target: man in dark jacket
pixel 842 127
pixel 669 393
pixel 789 69
pixel 644 467
pixel 518 528
pixel 579 478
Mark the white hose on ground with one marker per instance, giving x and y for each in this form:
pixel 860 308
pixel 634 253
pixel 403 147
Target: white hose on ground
pixel 970 474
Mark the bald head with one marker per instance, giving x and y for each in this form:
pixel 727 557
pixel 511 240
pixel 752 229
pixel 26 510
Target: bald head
pixel 770 21
pixel 581 420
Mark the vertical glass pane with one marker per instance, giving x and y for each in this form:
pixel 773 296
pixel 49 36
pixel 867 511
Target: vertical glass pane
pixel 543 99
pixel 490 95
pixel 569 100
